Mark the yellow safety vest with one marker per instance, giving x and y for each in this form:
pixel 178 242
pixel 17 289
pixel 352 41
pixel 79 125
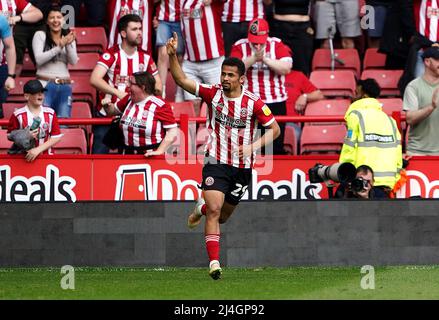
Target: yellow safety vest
pixel 373 139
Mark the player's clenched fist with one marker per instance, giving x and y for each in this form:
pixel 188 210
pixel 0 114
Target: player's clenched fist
pixel 171 45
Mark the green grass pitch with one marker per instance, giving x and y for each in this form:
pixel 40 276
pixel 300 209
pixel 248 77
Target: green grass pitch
pixel 402 282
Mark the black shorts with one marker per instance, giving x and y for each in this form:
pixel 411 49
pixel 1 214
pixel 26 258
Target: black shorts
pixel 231 181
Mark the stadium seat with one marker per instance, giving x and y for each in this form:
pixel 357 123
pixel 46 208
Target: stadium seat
pixel 5 144
pixel 183 107
pixel 334 107
pixel 391 104
pixel 171 88
pixel 322 138
pixel 290 141
pixel 348 59
pixel 10 107
pixel 81 110
pixel 29 68
pixel 91 39
pixel 374 60
pixel 85 65
pixel 72 142
pixel 387 79
pixel 83 91
pixel 338 83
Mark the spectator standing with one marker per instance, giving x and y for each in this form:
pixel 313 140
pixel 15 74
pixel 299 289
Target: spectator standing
pixel 341 15
pixel 421 99
pixel 168 15
pixel 28 21
pixel 7 64
pixel 380 8
pixel 115 66
pixel 116 9
pixel 267 61
pixel 292 24
pixel 144 118
pixel 48 133
pixel 373 137
pixel 55 49
pixel 95 10
pixel 204 44
pixel 236 17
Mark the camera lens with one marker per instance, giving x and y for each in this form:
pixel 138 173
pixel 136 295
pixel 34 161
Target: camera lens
pixel 358 184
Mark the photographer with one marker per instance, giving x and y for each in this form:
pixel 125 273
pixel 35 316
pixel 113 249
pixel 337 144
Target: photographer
pixel 361 187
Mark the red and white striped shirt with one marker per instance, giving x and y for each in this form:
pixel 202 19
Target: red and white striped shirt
pixel 120 67
pixel 426 14
pixel 119 8
pixel 242 10
pixel 232 122
pixel 142 123
pixel 49 126
pixel 201 28
pixel 169 10
pixel 10 8
pixel 261 80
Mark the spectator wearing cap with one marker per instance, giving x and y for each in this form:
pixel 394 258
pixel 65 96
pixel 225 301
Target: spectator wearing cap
pixel 48 133
pixel 421 98
pixel 267 61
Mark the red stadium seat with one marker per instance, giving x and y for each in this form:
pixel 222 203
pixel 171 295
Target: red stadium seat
pixel 9 108
pixel 91 39
pixel 81 110
pixel 335 107
pixel 29 68
pixel 374 60
pixel 5 144
pixel 391 104
pixel 85 65
pixel 338 83
pixel 171 88
pixel 183 107
pixel 83 91
pixel 387 79
pixel 290 141
pixel 72 142
pixel 322 138
pixel 349 58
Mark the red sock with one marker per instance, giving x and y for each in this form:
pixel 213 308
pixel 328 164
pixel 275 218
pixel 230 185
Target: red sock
pixel 212 246
pixel 203 209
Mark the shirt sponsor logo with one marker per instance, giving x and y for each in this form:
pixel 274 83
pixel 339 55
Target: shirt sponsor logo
pixel 230 122
pixel 378 138
pixel 133 122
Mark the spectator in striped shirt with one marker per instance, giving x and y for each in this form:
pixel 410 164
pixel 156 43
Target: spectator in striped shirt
pixel 115 66
pixel 144 118
pixel 232 118
pixel 267 60
pixel 48 133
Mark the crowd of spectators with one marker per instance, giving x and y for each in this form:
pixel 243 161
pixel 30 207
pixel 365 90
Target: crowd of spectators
pixel 213 30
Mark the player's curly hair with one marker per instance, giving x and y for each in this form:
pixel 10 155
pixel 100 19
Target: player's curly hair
pixel 235 62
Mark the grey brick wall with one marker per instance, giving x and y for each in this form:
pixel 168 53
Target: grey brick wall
pixel 277 233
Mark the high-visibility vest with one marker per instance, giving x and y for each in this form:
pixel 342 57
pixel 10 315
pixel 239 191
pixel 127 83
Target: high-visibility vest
pixel 373 139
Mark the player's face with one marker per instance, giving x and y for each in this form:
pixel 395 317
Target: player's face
pixel 35 100
pixel 134 33
pixel 230 79
pixel 55 20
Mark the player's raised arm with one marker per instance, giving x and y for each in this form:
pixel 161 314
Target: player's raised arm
pixel 176 71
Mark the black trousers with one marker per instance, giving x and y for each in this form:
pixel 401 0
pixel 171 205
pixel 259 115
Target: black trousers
pixel 234 31
pixel 299 38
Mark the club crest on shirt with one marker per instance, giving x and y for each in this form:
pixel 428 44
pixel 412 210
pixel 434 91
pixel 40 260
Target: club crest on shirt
pixel 244 112
pixel 106 56
pixel 141 67
pixel 209 181
pixel 266 110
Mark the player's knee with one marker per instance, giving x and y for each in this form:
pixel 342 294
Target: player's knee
pixel 213 211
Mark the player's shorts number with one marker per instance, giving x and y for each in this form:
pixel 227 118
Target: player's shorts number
pixel 239 191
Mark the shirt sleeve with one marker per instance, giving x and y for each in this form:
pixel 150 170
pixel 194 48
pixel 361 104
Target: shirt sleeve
pixel 22 5
pixel 5 30
pixel 166 116
pixel 106 59
pixel 236 51
pixel 56 131
pixel 123 103
pixel 152 67
pixel 410 101
pixel 283 52
pixel 206 92
pixel 13 124
pixel 263 113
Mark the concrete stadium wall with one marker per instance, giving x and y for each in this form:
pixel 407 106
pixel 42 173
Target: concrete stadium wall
pixel 277 233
